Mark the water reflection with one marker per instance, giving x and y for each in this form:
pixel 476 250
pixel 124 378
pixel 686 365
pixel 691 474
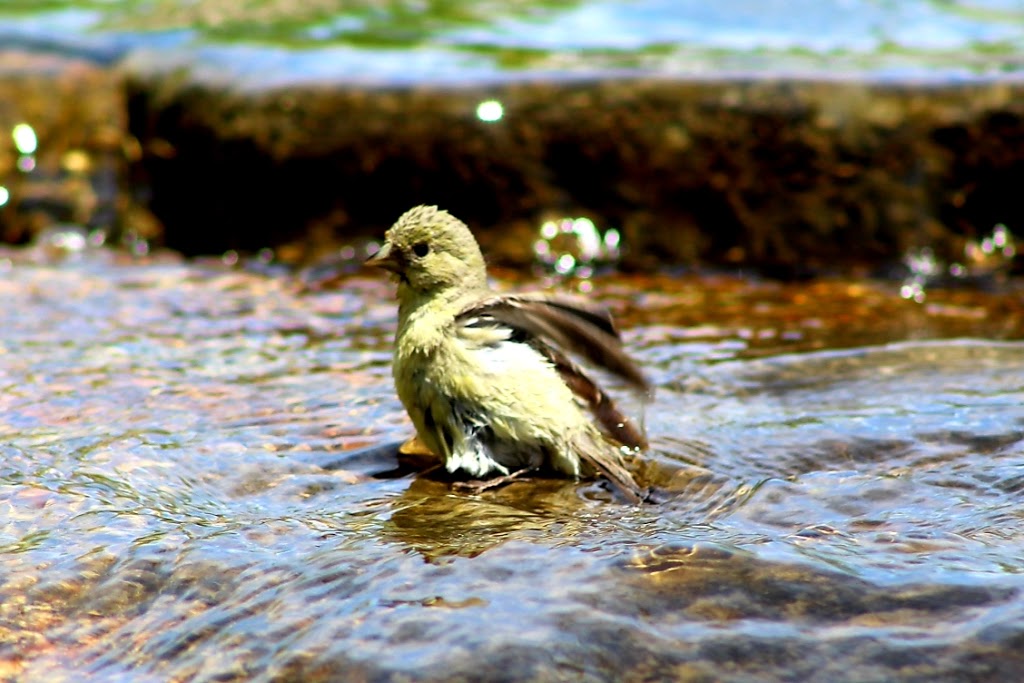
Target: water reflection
pixel 57 181
pixel 490 111
pixel 575 247
pixel 183 494
pixel 985 262
pixel 24 138
pixel 26 143
pixel 457 37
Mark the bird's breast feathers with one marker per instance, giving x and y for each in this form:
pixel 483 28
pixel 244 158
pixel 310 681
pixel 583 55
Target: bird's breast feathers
pixel 475 396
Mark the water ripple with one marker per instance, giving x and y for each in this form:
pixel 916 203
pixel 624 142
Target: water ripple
pixel 184 494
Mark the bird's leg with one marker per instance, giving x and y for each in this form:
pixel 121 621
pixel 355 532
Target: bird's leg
pixel 478 485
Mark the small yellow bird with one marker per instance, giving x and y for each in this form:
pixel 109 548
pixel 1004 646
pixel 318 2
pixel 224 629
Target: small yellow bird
pixel 484 376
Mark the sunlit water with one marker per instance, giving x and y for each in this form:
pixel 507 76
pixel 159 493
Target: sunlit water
pixel 283 41
pixel 837 501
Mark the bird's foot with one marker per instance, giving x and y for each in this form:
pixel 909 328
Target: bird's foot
pixel 478 485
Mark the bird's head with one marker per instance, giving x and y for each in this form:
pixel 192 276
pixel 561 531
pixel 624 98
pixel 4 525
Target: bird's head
pixel 431 251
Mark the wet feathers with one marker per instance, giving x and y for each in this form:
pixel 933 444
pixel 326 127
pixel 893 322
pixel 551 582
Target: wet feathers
pixel 486 378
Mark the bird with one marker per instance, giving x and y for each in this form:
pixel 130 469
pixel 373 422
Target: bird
pixel 485 376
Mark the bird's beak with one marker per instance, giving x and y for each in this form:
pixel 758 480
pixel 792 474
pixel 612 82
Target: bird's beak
pixel 385 259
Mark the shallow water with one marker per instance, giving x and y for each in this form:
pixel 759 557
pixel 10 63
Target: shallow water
pixel 283 41
pixel 185 495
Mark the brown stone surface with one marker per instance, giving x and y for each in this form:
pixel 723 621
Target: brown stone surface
pixel 793 174
pixel 79 170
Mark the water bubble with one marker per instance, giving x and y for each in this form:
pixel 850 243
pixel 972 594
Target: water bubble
pixel 913 291
pixel 611 241
pixel 490 111
pixel 229 258
pixel 1000 235
pixel 97 237
pixel 923 266
pixel 922 262
pixel 590 241
pixel 25 138
pixel 76 161
pixel 60 241
pixel 1002 239
pixel 69 238
pixel 994 252
pixel 575 246
pixel 5 195
pixel 565 264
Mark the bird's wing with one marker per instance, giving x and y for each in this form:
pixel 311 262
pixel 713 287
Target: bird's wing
pixel 555 325
pixel 618 425
pixel 568 324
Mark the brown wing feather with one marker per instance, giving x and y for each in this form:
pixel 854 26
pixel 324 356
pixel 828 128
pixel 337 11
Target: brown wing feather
pixel 609 466
pixel 616 424
pixel 553 324
pixel 573 326
pixel 598 316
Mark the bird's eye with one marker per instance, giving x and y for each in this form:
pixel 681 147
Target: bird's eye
pixel 421 249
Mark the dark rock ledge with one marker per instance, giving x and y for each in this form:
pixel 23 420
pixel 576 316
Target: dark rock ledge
pixel 785 173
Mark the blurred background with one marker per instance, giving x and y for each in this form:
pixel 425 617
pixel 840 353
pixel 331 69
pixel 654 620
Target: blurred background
pixel 786 136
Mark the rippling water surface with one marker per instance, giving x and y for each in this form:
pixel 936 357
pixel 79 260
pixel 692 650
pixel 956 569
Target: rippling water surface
pixel 403 41
pixel 186 494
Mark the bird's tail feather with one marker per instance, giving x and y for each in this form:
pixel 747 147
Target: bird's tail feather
pixel 605 461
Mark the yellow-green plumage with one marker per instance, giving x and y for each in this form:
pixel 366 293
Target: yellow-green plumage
pixel 481 375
